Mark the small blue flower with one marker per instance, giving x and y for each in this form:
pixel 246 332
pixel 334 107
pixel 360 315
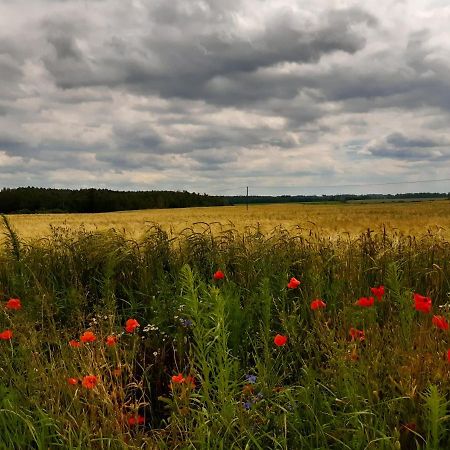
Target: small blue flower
pixel 186 323
pixel 247 405
pixel 250 379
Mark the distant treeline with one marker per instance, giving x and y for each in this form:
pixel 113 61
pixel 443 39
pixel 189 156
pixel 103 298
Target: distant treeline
pixel 31 199
pixel 240 199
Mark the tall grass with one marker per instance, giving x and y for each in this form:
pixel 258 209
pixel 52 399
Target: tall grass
pixel 239 390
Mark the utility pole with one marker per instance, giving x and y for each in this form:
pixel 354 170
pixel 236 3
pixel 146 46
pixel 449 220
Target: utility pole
pixel 247 198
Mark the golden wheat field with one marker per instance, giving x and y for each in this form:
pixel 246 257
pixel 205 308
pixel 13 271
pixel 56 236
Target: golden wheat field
pixel 332 219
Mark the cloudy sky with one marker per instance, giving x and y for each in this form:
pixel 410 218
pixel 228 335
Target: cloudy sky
pixel 285 96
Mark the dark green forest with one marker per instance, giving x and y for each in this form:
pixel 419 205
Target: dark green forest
pixel 240 199
pixel 31 199
pixel 26 200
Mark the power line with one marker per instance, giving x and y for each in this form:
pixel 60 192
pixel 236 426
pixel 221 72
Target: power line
pixel 354 185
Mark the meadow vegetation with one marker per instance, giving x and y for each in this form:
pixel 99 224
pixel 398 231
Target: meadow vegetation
pixel 202 340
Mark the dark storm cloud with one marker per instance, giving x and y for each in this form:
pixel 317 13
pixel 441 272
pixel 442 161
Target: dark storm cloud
pixel 11 73
pixel 191 56
pixel 65 46
pixel 14 147
pixel 52 151
pixel 415 79
pixel 63 58
pixel 402 147
pixel 178 94
pixel 141 138
pixel 137 137
pixel 400 141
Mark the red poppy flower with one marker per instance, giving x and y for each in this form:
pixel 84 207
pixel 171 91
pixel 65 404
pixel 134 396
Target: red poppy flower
pixel 133 420
pixel 219 275
pixel 131 325
pixel 448 355
pixel 74 343
pixel 440 322
pixel 378 292
pixel 365 302
pixel 357 334
pixel 14 303
pixel 111 341
pixel 280 340
pixel 88 336
pixel 6 335
pixel 89 381
pixel 422 304
pixel 72 381
pixel 178 378
pixel 317 304
pixel 293 283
